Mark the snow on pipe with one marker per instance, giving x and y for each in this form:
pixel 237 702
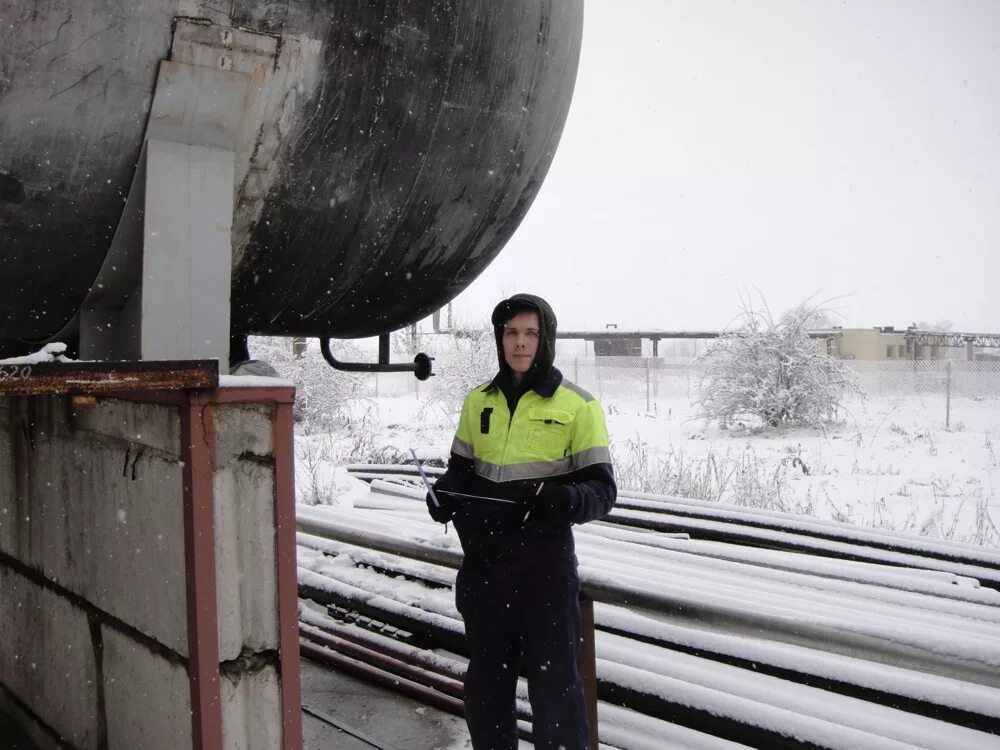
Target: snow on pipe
pixel 382 677
pixel 967 576
pixel 864 621
pixel 758 518
pixel 925 694
pixel 762 718
pixel 878 643
pixel 403 652
pixel 324 527
pixel 884 539
pixel 941 584
pixel 805 543
pixel 419 673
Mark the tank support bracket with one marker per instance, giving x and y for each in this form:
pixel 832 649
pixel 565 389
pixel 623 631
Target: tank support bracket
pixel 420 367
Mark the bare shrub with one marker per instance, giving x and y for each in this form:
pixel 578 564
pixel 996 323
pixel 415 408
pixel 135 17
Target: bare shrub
pixel 314 460
pixel 984 530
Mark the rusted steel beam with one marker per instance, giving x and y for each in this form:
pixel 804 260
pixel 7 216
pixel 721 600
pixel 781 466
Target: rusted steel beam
pixel 588 666
pixel 419 674
pixel 393 681
pixel 282 437
pixel 198 455
pixel 50 378
pixel 385 645
pixel 381 677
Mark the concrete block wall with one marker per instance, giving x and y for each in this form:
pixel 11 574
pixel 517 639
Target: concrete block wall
pixel 244 532
pixel 48 663
pixel 96 596
pixel 146 696
pixel 99 509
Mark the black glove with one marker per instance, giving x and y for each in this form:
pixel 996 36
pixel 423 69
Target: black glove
pixel 549 509
pixel 441 513
pixel 447 505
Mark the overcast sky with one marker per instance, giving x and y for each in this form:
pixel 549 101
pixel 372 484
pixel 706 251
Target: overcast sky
pixel 796 147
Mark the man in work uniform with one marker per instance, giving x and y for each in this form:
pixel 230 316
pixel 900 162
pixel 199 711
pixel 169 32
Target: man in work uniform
pixel 540 443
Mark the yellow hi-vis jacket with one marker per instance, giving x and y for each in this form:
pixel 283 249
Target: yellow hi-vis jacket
pixel 556 435
pixel 544 439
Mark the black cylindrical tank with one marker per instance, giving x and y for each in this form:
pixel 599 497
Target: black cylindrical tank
pixel 404 161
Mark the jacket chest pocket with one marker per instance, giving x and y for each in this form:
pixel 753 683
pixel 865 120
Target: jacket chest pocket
pixel 549 433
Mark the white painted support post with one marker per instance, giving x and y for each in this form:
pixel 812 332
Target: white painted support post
pixel 163 291
pixel 187 252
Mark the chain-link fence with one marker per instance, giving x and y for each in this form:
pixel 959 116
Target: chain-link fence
pixel 647 378
pixel 953 395
pixel 950 394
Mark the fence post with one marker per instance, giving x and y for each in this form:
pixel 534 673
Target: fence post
pixel 947 407
pixel 647 385
pixel 588 665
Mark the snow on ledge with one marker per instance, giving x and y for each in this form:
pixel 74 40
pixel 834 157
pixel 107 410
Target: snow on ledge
pixel 253 381
pixel 49 353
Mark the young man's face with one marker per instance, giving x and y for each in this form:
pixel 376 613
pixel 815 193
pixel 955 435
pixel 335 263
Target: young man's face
pixel 520 342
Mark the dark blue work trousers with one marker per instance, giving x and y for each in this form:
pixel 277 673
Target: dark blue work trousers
pixel 523 617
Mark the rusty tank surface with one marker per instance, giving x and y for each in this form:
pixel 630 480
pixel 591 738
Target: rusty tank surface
pixel 396 147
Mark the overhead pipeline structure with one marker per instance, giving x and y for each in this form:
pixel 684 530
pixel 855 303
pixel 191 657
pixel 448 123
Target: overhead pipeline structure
pixel 384 151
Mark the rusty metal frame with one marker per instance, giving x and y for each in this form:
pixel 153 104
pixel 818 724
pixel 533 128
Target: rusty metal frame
pixel 198 454
pixel 198 457
pixel 587 664
pixel 106 378
pixel 287 573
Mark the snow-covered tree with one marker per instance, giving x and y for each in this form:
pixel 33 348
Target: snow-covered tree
pixel 322 394
pixel 772 371
pixel 469 359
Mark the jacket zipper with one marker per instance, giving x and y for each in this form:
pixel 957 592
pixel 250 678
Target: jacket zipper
pixel 506 440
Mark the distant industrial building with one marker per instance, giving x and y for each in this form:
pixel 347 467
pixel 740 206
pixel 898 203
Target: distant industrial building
pixel 878 343
pixel 888 343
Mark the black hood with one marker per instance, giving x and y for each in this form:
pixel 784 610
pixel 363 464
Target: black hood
pixel 546 355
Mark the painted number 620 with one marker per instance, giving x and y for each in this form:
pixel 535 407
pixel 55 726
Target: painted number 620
pixel 15 372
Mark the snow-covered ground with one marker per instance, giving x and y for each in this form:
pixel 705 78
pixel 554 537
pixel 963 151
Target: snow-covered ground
pixel 890 464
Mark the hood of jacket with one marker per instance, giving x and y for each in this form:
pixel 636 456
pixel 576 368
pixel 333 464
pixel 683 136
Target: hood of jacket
pixel 546 355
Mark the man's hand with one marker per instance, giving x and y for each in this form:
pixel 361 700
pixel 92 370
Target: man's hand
pixel 550 508
pixel 445 511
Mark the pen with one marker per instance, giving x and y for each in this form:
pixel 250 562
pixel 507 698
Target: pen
pixel 525 519
pixel 430 490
